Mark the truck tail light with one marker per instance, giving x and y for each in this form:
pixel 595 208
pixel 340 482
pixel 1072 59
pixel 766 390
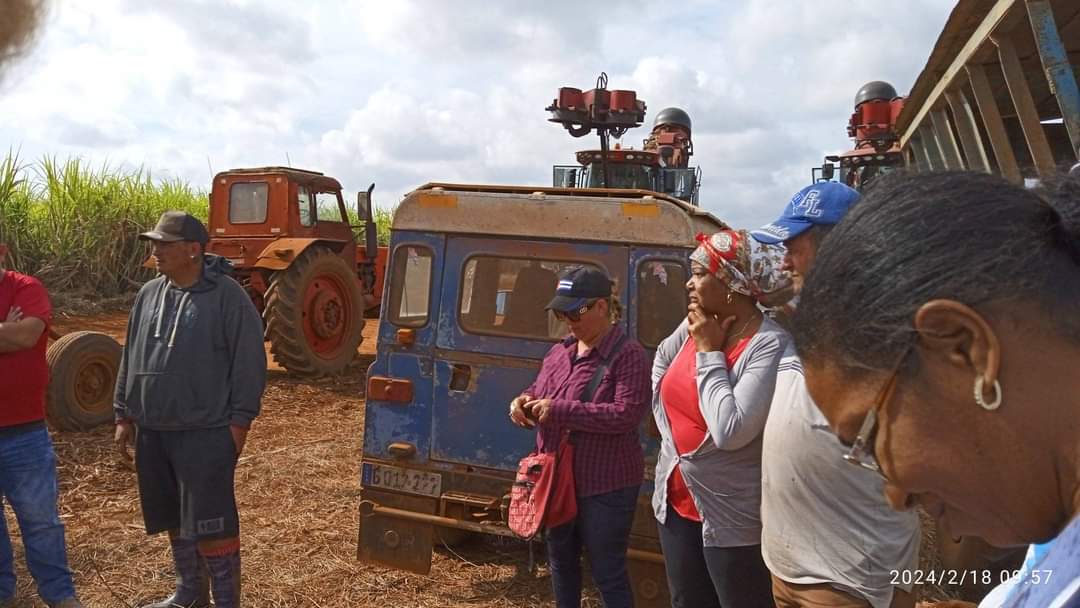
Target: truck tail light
pixel 397 390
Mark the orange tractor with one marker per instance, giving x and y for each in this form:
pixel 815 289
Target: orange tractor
pixel 294 249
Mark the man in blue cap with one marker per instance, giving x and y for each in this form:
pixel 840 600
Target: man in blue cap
pixel 828 535
pixel 808 217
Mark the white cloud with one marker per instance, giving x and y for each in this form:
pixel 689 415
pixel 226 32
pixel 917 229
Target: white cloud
pixel 411 91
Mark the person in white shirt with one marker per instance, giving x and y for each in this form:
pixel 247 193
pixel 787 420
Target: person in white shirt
pixel 829 537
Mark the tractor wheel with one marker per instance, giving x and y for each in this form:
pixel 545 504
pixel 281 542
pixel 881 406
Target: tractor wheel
pixel 314 314
pixel 82 376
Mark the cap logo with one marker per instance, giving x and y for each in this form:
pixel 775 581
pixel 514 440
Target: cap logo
pixel 810 205
pixel 565 285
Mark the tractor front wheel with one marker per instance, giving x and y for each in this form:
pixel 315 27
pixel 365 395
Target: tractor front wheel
pixel 82 376
pixel 314 314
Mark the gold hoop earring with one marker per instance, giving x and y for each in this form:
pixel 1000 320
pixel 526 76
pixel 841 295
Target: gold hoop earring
pixel 729 298
pixel 981 400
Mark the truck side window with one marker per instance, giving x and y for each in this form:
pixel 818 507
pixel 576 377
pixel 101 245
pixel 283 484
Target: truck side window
pixel 304 204
pixel 247 202
pixel 508 296
pixel 410 286
pixel 661 304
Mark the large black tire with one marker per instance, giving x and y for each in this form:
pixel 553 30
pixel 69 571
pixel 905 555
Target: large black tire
pixel 82 377
pixel 314 314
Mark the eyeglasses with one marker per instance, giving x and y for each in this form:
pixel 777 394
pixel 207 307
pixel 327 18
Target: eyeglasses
pixel 575 315
pixel 861 453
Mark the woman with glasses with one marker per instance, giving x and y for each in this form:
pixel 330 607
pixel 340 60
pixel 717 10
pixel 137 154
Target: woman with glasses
pixel 940 335
pixel 713 382
pixel 594 387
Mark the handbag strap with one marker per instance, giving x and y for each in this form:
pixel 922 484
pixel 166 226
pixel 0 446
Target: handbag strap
pixel 598 375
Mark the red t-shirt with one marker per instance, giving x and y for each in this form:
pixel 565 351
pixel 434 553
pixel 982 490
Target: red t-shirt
pixel 24 374
pixel 679 393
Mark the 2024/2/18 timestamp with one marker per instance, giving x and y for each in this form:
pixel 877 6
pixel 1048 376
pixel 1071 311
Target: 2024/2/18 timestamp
pixel 963 577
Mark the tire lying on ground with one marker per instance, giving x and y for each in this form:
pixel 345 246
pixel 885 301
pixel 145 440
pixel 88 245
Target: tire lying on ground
pixel 82 376
pixel 314 314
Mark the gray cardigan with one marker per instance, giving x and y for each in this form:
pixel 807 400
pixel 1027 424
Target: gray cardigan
pixel 724 473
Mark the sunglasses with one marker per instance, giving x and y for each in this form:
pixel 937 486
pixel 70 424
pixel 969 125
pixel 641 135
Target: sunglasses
pixel 575 315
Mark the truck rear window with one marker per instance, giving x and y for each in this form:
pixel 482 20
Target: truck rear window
pixel 662 300
pixel 247 202
pixel 410 288
pixel 507 296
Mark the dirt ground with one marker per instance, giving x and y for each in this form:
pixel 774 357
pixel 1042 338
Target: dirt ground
pixel 297 487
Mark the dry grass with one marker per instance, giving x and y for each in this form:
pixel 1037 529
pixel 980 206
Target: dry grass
pixel 297 490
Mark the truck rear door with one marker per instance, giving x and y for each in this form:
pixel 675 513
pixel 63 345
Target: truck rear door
pixel 493 333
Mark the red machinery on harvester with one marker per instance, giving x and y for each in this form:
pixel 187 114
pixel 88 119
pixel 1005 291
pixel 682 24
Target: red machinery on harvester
pixel 877 142
pixel 662 166
pixel 288 235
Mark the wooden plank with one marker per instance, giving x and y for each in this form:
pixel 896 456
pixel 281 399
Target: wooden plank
pixel 939 121
pixel 994 17
pixel 1056 64
pixel 922 159
pixel 995 127
pixel 1024 103
pixel 970 139
pixel 933 148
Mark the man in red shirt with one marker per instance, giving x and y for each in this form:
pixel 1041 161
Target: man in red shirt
pixel 27 462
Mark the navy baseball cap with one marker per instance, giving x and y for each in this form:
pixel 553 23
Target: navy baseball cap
pixel 820 203
pixel 578 285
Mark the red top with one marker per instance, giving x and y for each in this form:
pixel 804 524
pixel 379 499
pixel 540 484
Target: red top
pixel 24 374
pixel 679 394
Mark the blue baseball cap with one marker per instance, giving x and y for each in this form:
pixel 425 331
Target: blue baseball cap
pixel 820 203
pixel 578 285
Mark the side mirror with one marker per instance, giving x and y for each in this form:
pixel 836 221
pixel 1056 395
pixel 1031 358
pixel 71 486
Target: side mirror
pixel 367 216
pixel 363 205
pixel 828 171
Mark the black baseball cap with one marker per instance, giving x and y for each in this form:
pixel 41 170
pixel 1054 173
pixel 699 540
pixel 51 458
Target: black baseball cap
pixel 177 226
pixel 578 285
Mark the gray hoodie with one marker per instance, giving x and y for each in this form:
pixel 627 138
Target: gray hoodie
pixel 194 357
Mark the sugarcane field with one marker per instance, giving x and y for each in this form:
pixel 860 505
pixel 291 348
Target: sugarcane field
pixel 447 304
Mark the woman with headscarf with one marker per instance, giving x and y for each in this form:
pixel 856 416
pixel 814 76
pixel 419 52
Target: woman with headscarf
pixel 940 336
pixel 713 382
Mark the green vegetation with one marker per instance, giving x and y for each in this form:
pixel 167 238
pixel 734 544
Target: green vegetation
pixel 75 227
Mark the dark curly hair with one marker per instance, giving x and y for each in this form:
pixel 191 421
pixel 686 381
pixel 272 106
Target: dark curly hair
pixel 970 237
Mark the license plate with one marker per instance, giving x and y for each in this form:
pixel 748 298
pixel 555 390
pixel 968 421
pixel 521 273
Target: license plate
pixel 402 480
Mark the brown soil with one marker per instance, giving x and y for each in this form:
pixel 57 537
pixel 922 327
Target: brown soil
pixel 297 487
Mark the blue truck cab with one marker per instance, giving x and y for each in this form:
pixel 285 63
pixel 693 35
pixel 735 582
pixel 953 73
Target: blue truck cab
pixel 464 331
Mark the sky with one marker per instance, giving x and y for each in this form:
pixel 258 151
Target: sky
pixel 405 92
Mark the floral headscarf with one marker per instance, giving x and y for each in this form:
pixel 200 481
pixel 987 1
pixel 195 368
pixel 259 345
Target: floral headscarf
pixel 745 265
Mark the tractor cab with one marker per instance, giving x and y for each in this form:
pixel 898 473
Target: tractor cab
pixel 288 235
pixel 275 202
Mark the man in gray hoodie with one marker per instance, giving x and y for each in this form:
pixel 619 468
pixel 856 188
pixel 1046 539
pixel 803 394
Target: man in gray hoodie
pixel 190 383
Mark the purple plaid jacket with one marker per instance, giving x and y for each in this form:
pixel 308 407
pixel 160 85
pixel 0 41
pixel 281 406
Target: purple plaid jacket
pixel 604 431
